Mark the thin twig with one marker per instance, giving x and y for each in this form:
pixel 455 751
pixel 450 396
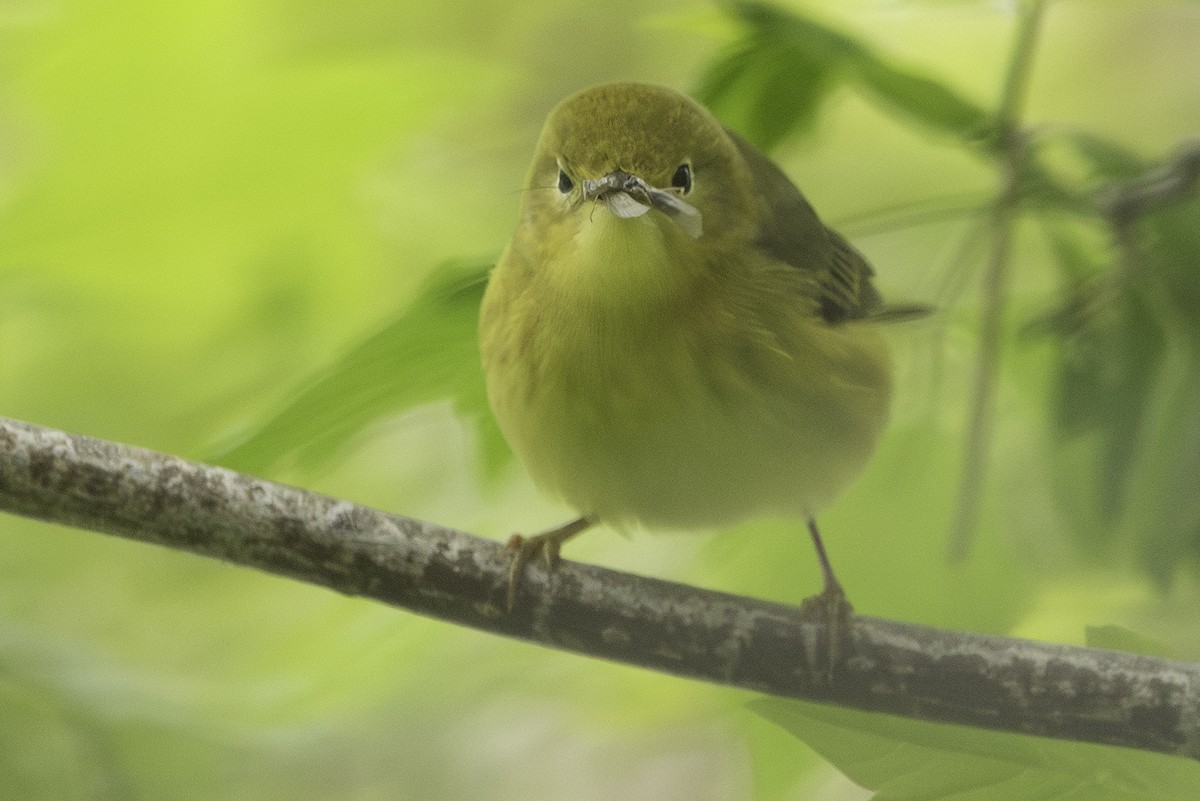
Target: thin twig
pixel 1014 157
pixel 1014 685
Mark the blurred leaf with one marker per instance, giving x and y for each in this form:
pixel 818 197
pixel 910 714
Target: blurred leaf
pixel 766 88
pixel 1174 234
pixel 426 354
pixel 906 760
pixel 1069 169
pixel 770 83
pixel 1108 159
pixel 1109 345
pixel 1127 343
pixel 1160 256
pixel 927 101
pixel 1169 529
pixel 1166 512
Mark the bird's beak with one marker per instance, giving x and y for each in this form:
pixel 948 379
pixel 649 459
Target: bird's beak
pixel 629 196
pixel 621 192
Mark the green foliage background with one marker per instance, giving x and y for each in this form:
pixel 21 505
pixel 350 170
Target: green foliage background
pixel 252 231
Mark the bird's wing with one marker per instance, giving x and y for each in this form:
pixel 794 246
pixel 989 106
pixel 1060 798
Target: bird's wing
pixel 792 233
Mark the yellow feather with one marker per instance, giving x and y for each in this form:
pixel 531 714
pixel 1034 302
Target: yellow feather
pixel 647 376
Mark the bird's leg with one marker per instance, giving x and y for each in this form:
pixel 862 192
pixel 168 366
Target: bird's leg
pixel 548 544
pixel 831 607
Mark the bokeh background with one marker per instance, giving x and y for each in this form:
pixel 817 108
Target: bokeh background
pixel 205 207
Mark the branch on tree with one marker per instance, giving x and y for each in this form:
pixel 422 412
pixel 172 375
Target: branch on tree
pixel 999 683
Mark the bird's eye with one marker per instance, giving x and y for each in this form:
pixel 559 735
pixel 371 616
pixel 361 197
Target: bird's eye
pixel 565 184
pixel 682 179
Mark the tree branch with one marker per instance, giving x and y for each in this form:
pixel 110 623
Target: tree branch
pixel 972 679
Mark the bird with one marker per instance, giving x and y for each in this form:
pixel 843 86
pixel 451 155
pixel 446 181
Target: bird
pixel 673 339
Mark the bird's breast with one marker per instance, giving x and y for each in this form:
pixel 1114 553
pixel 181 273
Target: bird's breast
pixel 644 391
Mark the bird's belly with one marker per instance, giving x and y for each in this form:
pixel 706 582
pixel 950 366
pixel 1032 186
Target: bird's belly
pixel 687 430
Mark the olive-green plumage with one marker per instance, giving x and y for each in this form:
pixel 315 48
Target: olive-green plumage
pixel 673 338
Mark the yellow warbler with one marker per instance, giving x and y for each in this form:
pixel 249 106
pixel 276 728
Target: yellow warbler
pixel 672 337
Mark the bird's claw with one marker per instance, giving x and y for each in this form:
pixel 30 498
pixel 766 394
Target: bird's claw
pixel 832 609
pixel 547 544
pixel 523 550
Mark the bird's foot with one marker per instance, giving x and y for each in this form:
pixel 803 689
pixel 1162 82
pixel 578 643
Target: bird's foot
pixel 546 545
pixel 832 609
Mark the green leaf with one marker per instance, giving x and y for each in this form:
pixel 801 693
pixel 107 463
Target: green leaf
pixel 770 83
pixel 1176 261
pixel 1109 346
pixel 1165 509
pixel 906 760
pixel 1109 160
pixel 804 34
pixel 429 352
pixel 923 99
pixel 765 90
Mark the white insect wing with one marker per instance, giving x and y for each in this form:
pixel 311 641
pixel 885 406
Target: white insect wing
pixel 622 205
pixel 684 214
